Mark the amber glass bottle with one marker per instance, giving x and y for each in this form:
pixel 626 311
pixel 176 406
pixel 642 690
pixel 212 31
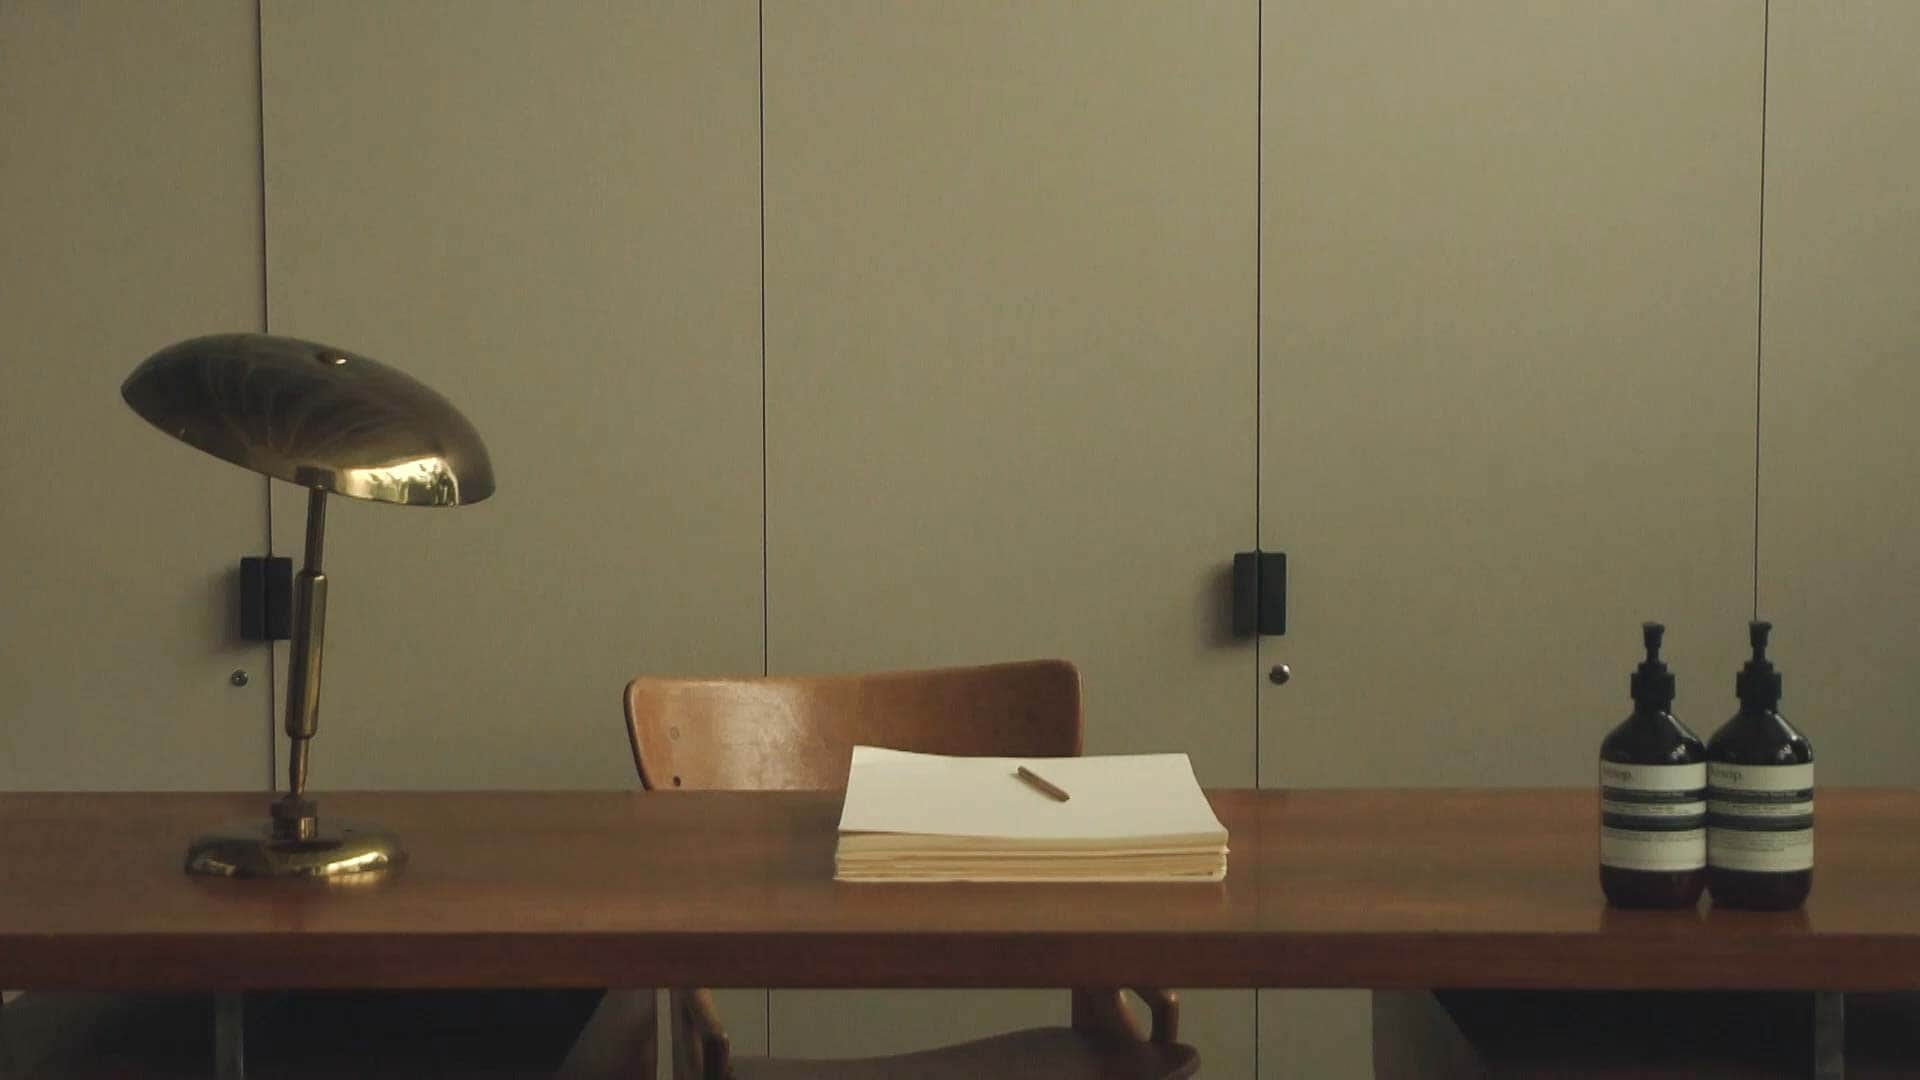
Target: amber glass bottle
pixel 1759 797
pixel 1653 779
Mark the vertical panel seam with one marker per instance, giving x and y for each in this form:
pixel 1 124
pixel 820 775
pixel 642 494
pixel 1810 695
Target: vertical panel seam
pixel 766 597
pixel 1259 408
pixel 266 327
pixel 1259 405
pixel 1760 290
pixel 760 125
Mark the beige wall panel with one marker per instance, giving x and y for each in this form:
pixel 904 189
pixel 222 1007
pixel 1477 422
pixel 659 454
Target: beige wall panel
pixel 560 231
pixel 1839 520
pixel 1010 370
pixel 1508 311
pixel 549 213
pixel 129 219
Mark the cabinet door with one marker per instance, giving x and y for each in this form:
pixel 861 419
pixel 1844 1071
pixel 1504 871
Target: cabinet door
pixel 129 219
pixel 549 214
pixel 1839 523
pixel 1508 299
pixel 1009 386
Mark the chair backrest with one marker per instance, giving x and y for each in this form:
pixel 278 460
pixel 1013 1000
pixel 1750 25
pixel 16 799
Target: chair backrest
pixel 755 733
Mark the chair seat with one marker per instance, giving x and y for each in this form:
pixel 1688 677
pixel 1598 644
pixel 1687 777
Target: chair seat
pixel 1055 1053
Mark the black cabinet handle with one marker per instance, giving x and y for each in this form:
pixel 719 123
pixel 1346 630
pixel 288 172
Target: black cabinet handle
pixel 1259 593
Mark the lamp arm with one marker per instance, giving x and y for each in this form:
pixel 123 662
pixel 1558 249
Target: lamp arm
pixel 303 669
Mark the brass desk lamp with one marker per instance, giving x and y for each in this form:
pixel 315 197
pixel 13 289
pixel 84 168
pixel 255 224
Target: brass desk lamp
pixel 329 421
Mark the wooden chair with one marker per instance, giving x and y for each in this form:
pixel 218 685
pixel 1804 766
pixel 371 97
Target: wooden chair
pixel 799 733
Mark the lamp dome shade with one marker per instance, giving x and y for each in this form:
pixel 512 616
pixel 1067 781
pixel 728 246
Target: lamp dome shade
pixel 313 415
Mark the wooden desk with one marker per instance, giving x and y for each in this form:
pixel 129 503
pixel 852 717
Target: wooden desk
pixel 1384 889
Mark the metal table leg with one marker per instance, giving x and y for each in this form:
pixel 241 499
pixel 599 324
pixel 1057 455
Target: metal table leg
pixel 1829 1035
pixel 229 1036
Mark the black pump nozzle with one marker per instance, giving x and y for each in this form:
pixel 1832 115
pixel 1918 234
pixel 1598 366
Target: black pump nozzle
pixel 1758 684
pixel 1652 683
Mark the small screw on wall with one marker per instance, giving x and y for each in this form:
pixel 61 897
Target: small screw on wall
pixel 238 678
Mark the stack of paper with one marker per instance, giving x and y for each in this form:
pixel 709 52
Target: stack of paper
pixel 925 817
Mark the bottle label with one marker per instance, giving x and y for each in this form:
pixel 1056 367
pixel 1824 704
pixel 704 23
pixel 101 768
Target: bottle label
pixel 1760 817
pixel 1653 817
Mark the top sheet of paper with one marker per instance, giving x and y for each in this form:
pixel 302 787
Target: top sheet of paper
pixel 1118 798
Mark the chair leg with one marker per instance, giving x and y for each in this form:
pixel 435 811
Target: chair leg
pixel 1103 1012
pixel 701 1048
pixel 1163 1007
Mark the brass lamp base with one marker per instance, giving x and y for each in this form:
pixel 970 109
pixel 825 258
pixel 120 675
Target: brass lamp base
pixel 253 849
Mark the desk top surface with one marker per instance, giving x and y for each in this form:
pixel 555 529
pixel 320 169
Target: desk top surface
pixel 1491 888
